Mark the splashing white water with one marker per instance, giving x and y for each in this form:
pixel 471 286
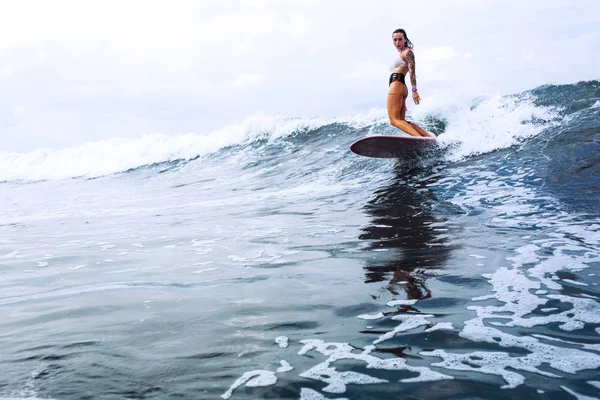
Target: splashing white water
pixel 493 123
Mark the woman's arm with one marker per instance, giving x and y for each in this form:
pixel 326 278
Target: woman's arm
pixel 410 60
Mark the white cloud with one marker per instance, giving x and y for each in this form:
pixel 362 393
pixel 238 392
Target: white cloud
pixel 366 70
pixel 443 53
pixel 6 70
pixel 246 80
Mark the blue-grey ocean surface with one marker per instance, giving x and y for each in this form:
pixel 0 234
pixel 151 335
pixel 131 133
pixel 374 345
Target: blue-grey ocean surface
pixel 266 261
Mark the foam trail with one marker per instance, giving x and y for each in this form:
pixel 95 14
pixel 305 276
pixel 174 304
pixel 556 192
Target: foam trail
pixel 256 378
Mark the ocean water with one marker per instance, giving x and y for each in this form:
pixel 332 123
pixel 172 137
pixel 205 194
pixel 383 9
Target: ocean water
pixel 265 260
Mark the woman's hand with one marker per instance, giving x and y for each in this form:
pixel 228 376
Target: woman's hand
pixel 416 98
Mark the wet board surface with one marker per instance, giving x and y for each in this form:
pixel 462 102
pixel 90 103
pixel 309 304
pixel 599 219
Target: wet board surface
pixel 391 146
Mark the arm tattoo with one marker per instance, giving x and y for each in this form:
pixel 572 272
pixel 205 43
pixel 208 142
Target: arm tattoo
pixel 410 57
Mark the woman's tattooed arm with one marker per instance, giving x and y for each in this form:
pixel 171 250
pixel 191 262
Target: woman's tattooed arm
pixel 410 58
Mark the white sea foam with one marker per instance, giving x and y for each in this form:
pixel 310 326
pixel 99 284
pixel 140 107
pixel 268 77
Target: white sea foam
pixel 393 303
pixel 200 271
pixel 282 341
pixel 571 281
pixel 12 254
pixel 409 322
pixel 309 394
pixel 371 316
pixel 477 256
pixel 441 326
pixel 493 123
pixel 337 381
pixel 285 367
pixel 255 378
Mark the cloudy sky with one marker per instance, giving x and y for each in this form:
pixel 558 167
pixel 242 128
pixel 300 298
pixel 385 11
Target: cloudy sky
pixel 82 70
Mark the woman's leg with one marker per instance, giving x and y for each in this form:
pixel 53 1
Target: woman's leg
pixel 396 107
pixel 421 131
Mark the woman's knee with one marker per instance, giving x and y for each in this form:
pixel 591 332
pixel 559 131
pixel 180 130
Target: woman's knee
pixel 396 122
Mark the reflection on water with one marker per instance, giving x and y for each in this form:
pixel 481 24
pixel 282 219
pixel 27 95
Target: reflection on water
pixel 404 224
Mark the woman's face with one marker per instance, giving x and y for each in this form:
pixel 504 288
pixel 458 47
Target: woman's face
pixel 399 40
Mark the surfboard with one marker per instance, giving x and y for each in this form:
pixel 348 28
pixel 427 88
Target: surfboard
pixel 391 146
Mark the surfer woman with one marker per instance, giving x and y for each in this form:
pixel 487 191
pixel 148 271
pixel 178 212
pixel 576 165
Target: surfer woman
pixel 396 103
